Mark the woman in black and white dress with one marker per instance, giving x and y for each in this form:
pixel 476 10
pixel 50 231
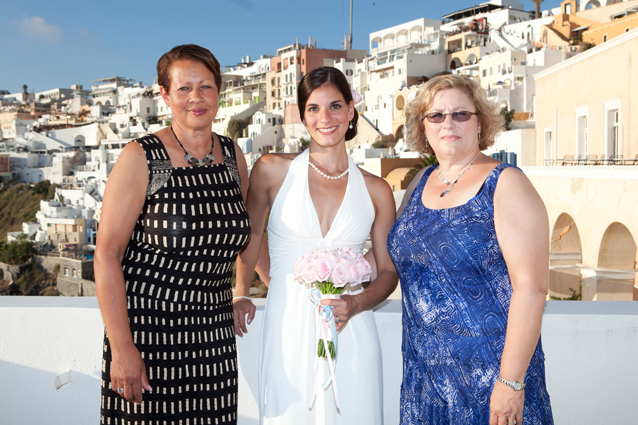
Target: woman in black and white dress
pixel 173 221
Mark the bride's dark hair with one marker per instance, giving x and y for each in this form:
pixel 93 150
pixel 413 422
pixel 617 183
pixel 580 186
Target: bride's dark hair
pixel 317 78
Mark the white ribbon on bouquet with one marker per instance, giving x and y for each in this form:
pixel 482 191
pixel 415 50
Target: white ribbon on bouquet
pixel 324 312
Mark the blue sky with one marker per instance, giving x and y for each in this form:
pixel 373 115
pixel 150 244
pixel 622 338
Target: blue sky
pixel 46 44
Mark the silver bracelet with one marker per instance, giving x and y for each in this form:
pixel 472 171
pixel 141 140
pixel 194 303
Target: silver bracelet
pixel 242 298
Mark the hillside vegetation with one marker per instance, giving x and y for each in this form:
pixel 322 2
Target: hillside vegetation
pixel 19 204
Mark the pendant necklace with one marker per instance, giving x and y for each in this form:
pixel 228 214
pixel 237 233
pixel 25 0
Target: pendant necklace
pixel 207 160
pixel 321 173
pixel 449 185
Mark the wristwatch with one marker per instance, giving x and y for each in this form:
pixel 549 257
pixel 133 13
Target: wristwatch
pixel 515 385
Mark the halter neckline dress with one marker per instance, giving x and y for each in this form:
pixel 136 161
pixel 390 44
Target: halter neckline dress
pixel 288 341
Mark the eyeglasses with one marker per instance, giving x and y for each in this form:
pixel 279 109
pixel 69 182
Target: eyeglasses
pixel 439 117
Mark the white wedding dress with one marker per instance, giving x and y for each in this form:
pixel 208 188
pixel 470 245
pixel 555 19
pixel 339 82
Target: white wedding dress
pixel 288 340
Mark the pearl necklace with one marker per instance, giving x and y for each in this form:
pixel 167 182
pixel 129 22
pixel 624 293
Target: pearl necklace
pixel 321 173
pixel 449 185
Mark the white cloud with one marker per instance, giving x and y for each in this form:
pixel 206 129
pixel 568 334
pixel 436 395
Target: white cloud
pixel 37 27
pixel 88 36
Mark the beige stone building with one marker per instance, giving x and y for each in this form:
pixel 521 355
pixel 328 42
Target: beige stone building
pixel 587 109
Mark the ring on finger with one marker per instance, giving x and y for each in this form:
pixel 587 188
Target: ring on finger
pixel 120 390
pixel 338 320
pixel 512 422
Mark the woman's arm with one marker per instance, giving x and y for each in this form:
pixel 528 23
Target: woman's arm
pixel 123 200
pixel 386 280
pixel 264 175
pixel 522 229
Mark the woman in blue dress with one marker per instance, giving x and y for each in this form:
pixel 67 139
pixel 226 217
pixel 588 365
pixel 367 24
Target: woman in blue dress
pixel 471 249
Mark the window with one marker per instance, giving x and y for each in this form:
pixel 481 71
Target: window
pixel 66 271
pixel 75 273
pixel 292 61
pixel 484 72
pixel 348 72
pixel 148 110
pixel 548 146
pixel 582 130
pixel 604 37
pixel 612 127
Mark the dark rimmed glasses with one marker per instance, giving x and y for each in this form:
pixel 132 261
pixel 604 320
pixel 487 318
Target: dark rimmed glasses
pixel 459 116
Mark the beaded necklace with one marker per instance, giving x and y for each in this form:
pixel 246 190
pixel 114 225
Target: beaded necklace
pixel 449 185
pixel 207 160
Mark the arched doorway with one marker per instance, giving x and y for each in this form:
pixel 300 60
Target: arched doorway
pixel 617 263
pixel 398 134
pixel 455 63
pixel 592 4
pixel 565 258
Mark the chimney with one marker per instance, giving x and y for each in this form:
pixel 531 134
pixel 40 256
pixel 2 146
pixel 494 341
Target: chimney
pixel 248 59
pixel 309 42
pixel 315 43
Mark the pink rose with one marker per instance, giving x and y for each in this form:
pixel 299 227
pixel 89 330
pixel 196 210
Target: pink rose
pixel 300 267
pixel 309 274
pixel 339 276
pixel 360 271
pixel 322 269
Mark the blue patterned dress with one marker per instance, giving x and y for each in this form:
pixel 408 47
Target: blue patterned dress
pixel 456 296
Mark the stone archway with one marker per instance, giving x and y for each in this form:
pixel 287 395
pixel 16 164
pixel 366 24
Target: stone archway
pixel 565 257
pixel 617 262
pixel 592 4
pixel 398 134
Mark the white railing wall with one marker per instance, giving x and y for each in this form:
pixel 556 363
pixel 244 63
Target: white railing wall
pixel 591 353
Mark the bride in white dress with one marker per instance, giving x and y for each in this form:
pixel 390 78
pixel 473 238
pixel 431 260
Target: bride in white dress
pixel 316 199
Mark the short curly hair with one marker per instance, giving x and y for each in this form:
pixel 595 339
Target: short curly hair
pixel 189 52
pixel 489 117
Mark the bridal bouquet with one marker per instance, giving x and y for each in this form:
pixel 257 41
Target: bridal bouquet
pixel 330 270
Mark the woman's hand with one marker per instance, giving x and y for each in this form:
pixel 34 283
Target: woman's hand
pixel 128 373
pixel 242 308
pixel 344 309
pixel 506 405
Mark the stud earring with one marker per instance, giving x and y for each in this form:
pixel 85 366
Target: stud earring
pixel 479 135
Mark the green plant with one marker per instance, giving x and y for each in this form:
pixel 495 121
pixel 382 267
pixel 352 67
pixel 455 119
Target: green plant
pixel 56 269
pixel 587 46
pixel 575 296
pixel 508 114
pixel 378 145
pixel 17 252
pixel 236 127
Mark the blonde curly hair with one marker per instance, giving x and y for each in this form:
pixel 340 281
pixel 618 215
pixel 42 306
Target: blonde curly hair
pixel 489 117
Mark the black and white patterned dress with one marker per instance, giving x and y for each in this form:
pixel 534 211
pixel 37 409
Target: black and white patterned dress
pixel 178 269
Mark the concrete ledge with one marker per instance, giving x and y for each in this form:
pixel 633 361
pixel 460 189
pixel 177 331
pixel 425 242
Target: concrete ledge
pixel 590 350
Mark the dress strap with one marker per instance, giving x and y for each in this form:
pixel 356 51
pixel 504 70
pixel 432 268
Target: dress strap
pixel 489 186
pixel 230 159
pixel 158 161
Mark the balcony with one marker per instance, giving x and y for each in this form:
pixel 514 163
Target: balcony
pixel 590 350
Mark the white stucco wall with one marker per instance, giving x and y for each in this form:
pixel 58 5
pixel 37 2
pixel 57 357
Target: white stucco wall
pixel 590 350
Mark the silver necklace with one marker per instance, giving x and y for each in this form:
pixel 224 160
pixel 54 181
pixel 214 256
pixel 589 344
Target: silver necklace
pixel 449 185
pixel 207 160
pixel 321 173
